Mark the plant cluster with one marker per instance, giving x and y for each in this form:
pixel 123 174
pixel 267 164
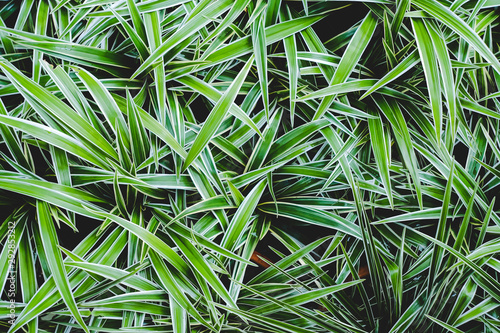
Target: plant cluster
pixel 150 149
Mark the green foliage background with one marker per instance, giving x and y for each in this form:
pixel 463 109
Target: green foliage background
pixel 148 148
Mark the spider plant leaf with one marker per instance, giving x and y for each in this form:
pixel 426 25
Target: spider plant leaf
pixel 150 239
pixel 133 35
pixel 476 107
pixel 288 141
pixel 169 284
pixel 12 141
pixel 480 309
pixel 312 216
pixel 274 33
pixel 189 27
pixel 106 103
pixel 450 328
pixel 161 132
pixel 79 17
pixel 301 298
pixel 47 294
pixel 61 166
pixel 80 54
pixel 251 176
pixel 486 249
pixel 341 88
pixel 47 104
pixel 135 15
pixel 210 204
pixel 139 140
pixel 401 9
pixel 214 95
pixel 55 138
pixel 69 89
pixel 260 52
pixel 140 307
pixel 24 13
pixel 437 254
pixel 236 10
pixel 12 243
pixel 381 153
pixel 50 244
pixel 262 147
pixel 6 42
pixel 119 199
pixel 112 273
pixel 62 196
pixel 402 134
pixel 448 79
pixel 487 281
pixel 193 236
pixel 60 5
pixel 179 316
pixel 216 116
pixel 27 274
pixel 202 267
pixel 249 238
pixel 404 66
pixel 266 321
pixel 206 190
pixel 288 304
pixel 272 12
pixel 133 296
pixel 293 64
pixel 350 59
pixel 360 287
pixel 429 62
pixel 454 22
pixel 459 241
pixel 42 17
pixel 242 216
pixel 409 316
pixel 464 297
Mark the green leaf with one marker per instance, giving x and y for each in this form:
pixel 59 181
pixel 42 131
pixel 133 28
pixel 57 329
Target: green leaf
pixel 351 57
pixel 50 244
pixel 190 27
pixel 54 137
pixel 402 134
pixel 404 66
pixel 214 95
pixel 47 104
pixel 266 321
pixel 444 325
pixel 429 62
pixel 150 239
pixel 441 235
pixel 312 216
pixel 480 309
pixel 382 154
pixel 450 19
pixel 260 51
pixel 487 281
pixel 106 103
pixel 264 144
pixel 175 291
pixel 202 267
pixel 80 54
pixel 216 117
pixel 449 86
pixel 293 65
pixel 274 33
pixel 242 216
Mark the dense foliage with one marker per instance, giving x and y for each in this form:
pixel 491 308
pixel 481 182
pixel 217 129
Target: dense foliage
pixel 150 149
